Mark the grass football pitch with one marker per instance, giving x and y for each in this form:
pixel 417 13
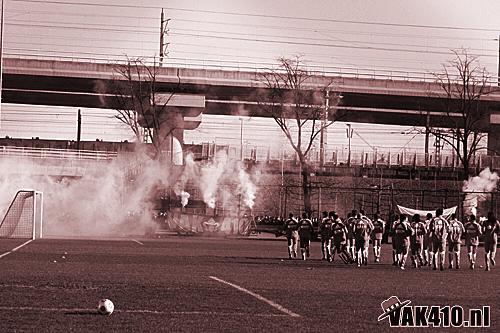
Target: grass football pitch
pixel 191 284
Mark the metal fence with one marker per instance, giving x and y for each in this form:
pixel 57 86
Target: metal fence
pixel 52 153
pixel 339 157
pixel 56 162
pixel 280 200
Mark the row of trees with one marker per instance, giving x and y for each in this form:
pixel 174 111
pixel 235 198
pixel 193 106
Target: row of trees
pixel 303 110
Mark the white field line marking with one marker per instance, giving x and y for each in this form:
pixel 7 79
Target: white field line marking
pixel 94 310
pixel 135 240
pixel 15 249
pixel 259 297
pixel 30 308
pixel 204 313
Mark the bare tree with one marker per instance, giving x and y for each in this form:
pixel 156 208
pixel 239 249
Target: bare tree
pixel 142 106
pixel 464 82
pixel 299 106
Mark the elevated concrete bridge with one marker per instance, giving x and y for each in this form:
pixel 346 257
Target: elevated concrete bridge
pixel 231 92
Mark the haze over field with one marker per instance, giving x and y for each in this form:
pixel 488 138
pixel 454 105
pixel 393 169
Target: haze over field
pixel 118 198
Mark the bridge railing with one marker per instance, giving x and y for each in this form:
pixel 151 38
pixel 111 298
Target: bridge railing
pixel 381 73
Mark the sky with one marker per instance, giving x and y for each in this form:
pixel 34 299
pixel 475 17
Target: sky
pixel 399 38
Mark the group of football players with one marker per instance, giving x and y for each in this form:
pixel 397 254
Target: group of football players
pixel 426 241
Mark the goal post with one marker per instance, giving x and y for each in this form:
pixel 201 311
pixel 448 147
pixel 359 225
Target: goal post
pixel 23 218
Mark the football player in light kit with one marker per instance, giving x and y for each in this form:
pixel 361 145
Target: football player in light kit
pixel 325 231
pixel 351 241
pixel 427 240
pixel 339 237
pixel 417 241
pixel 291 229
pixel 306 230
pixel 378 231
pixel 472 233
pixel 362 230
pixel 401 239
pixel 455 231
pixel 491 229
pixel 438 228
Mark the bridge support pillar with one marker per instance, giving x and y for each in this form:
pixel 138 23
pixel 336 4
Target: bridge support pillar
pixel 172 125
pixel 494 139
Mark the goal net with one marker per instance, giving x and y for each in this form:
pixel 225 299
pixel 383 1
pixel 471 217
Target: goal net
pixel 23 218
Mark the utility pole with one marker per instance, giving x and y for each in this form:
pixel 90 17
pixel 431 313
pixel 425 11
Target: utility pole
pixel 163 32
pixel 427 132
pixel 78 130
pixel 349 137
pixel 1 53
pixel 324 117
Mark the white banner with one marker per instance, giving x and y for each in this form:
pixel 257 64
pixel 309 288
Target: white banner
pixel 410 212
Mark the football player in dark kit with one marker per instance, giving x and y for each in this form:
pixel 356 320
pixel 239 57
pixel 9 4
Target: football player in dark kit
pixel 402 233
pixel 325 231
pixel 339 239
pixel 306 230
pixel 362 230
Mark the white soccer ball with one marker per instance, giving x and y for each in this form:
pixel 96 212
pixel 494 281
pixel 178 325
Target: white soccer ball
pixel 105 307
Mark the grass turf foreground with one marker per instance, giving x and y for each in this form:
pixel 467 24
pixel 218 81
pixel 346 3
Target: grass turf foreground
pixel 164 285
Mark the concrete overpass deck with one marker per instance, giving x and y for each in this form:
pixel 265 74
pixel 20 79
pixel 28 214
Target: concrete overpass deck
pixel 231 92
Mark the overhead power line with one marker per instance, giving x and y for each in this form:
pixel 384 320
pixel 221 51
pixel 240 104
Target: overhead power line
pixel 257 25
pixel 84 38
pixel 283 38
pixel 373 48
pixel 64 24
pixel 106 47
pixel 94 4
pixel 129 28
pixel 86 28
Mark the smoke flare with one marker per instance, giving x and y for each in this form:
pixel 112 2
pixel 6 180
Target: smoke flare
pixel 184 198
pixel 213 179
pixel 210 178
pixel 478 188
pixel 247 188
